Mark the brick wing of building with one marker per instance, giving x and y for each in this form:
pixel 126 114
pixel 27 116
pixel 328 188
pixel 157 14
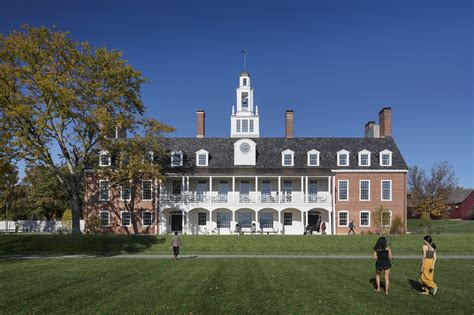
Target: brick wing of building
pixel 270 185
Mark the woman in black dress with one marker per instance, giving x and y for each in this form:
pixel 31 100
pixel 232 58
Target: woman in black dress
pixel 383 255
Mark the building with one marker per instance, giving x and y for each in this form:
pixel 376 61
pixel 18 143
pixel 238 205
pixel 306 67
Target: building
pixel 281 185
pixel 461 205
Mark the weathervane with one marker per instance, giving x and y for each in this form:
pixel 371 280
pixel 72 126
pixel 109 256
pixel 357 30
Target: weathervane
pixel 244 54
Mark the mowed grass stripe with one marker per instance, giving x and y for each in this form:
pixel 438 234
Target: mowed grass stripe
pixel 226 286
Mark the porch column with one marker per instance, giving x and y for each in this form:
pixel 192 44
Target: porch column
pixel 307 191
pixel 187 183
pixel 233 189
pixel 256 189
pixel 279 221
pixel 333 206
pixel 279 189
pixel 302 189
pixel 187 221
pixel 210 189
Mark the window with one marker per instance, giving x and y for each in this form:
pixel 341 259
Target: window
pixel 238 125
pixel 176 189
pixel 245 125
pixel 288 218
pixel 176 158
pixel 202 158
pixel 149 156
pixel 126 191
pixel 146 190
pixel 364 218
pixel 244 219
pixel 104 190
pixel 104 218
pixel 244 82
pixel 287 158
pixel 126 218
pixel 343 218
pixel 343 190
pixel 343 158
pixel 364 158
pixel 146 218
pixel 202 218
pixel 386 218
pixel 313 158
pixel 104 158
pixel 251 125
pixel 223 220
pixel 364 190
pixel 386 158
pixel 386 190
pixel 266 220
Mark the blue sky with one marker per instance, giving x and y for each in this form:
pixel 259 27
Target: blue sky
pixel 335 63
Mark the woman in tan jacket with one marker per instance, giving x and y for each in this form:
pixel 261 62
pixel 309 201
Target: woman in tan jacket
pixel 175 244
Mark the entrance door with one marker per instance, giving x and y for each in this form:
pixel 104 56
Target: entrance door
pixel 201 190
pixel 312 191
pixel 223 191
pixel 244 191
pixel 176 222
pixel 314 220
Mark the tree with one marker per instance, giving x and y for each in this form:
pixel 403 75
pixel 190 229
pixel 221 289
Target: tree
pixel 430 194
pixel 60 97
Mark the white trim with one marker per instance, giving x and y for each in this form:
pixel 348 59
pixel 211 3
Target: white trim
pixel 105 152
pixel 151 218
pixel 100 190
pixel 108 218
pixel 381 219
pixel 339 218
pixel 311 152
pixel 339 190
pixel 368 159
pixel 341 152
pixel 151 189
pixel 290 152
pixel 121 218
pixel 178 152
pixel 368 171
pixel 121 192
pixel 204 152
pixel 390 157
pixel 360 218
pixel 381 189
pixel 360 190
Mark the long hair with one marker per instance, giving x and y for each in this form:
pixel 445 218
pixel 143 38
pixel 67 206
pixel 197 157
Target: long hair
pixel 429 240
pixel 381 243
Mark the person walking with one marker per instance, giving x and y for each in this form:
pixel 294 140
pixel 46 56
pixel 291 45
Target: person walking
pixel 176 244
pixel 323 228
pixel 427 267
pixel 253 229
pixel 351 228
pixel 382 256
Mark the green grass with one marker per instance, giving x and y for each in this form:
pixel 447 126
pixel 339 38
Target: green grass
pixel 224 286
pixel 439 226
pixel 448 244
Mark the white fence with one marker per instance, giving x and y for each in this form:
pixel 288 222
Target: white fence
pixel 30 226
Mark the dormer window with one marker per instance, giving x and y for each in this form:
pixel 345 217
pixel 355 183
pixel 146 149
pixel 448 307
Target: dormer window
pixel 202 158
pixel 313 158
pixel 288 158
pixel 386 158
pixel 104 158
pixel 176 158
pixel 343 158
pixel 364 158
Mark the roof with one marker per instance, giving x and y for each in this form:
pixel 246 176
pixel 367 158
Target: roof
pixel 459 196
pixel 221 153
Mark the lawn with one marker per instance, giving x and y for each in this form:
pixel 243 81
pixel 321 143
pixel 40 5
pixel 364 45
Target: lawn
pixel 448 244
pixel 439 226
pixel 224 286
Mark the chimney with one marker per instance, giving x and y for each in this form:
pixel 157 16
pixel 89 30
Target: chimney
pixel 289 123
pixel 200 123
pixel 372 130
pixel 385 122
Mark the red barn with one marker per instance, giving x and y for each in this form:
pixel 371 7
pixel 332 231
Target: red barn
pixel 461 205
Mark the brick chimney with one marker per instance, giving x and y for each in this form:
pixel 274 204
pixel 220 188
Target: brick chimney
pixel 289 123
pixel 385 122
pixel 371 130
pixel 200 123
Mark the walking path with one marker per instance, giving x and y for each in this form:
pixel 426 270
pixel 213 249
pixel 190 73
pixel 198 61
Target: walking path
pixel 217 256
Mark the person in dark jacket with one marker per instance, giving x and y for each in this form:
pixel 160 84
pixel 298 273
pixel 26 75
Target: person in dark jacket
pixel 382 255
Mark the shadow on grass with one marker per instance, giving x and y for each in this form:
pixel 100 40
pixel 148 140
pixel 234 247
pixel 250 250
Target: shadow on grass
pixel 374 283
pixel 107 245
pixel 415 285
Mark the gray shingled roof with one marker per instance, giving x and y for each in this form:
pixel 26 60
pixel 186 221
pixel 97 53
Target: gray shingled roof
pixel 221 152
pixel 459 196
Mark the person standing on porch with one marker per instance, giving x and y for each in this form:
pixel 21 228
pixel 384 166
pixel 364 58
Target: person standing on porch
pixel 176 244
pixel 351 228
pixel 323 228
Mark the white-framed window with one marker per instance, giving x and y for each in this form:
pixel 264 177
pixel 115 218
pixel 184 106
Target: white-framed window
pixel 287 158
pixel 146 190
pixel 343 190
pixel 176 158
pixel 125 191
pixel 364 188
pixel 386 158
pixel 147 218
pixel 313 158
pixel 149 156
pixel 343 218
pixel 245 125
pixel 343 158
pixel 238 125
pixel 202 218
pixel 104 216
pixel 386 190
pixel 202 158
pixel 251 125
pixel 287 218
pixel 104 158
pixel 126 218
pixel 386 218
pixel 103 190
pixel 364 158
pixel 364 218
pixel 266 220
